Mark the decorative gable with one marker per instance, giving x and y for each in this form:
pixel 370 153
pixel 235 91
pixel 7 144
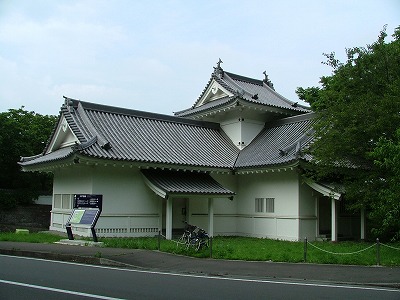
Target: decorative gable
pixel 213 92
pixel 63 137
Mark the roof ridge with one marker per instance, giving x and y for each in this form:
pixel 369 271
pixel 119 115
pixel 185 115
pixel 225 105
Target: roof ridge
pixel 244 78
pixel 143 114
pixel 291 119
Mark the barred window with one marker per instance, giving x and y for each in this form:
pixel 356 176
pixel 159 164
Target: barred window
pixel 265 205
pixel 62 201
pixel 270 205
pixel 259 204
pixel 57 201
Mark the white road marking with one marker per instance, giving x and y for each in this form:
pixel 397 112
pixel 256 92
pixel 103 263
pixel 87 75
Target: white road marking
pixel 215 277
pixel 39 287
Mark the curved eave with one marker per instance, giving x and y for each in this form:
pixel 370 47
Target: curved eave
pixel 49 166
pixel 272 168
pixel 237 101
pixel 168 164
pixel 78 158
pixel 54 156
pixel 323 189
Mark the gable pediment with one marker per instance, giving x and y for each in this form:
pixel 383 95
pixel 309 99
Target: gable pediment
pixel 214 91
pixel 63 137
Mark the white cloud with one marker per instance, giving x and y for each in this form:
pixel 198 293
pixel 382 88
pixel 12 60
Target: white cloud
pixel 158 55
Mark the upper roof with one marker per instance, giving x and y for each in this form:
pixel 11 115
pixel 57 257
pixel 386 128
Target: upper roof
pixel 224 88
pixel 117 134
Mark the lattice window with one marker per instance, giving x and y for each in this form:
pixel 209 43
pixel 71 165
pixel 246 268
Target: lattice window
pixel 57 201
pixel 265 205
pixel 270 205
pixel 62 201
pixel 259 204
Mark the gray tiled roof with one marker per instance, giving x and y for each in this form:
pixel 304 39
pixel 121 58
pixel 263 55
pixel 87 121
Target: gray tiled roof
pixel 209 105
pixel 179 182
pixel 281 142
pixel 51 157
pixel 118 134
pixel 129 135
pixel 245 88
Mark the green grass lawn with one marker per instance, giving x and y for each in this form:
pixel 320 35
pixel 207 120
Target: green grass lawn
pixel 255 249
pixel 252 249
pixel 30 237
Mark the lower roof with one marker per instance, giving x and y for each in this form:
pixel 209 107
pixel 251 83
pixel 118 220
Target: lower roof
pixel 168 182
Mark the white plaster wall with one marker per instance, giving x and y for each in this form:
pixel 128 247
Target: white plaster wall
pixel 284 222
pixel 241 130
pixel 250 129
pixel 75 179
pixel 232 128
pixel 238 217
pixel 124 191
pixel 130 208
pixel 283 186
pixel 307 212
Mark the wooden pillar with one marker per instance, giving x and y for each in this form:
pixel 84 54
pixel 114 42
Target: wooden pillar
pixel 334 220
pixel 168 220
pixel 362 224
pixel 210 217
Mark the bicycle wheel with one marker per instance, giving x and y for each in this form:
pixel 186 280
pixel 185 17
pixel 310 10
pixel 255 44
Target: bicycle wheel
pixel 198 244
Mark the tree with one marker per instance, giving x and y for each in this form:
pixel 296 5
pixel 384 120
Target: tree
pixel 22 133
pixel 357 129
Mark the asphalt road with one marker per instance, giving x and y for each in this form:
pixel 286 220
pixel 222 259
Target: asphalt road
pixel 28 278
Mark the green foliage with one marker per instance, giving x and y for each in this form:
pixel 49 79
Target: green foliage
pixel 22 133
pixel 10 199
pixel 386 157
pixel 358 109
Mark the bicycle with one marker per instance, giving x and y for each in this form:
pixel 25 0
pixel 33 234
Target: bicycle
pixel 194 236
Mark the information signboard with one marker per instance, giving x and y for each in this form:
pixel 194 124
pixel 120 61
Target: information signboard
pixel 84 216
pixel 88 201
pixel 87 209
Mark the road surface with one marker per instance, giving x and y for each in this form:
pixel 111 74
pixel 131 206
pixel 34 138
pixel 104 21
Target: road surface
pixel 28 278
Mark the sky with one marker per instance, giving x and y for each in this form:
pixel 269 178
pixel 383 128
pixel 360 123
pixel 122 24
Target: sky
pixel 158 56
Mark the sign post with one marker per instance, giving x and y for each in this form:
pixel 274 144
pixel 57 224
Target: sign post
pixel 86 212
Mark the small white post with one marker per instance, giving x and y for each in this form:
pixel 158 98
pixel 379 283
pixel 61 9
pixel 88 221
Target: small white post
pixel 210 217
pixel 362 223
pixel 334 221
pixel 168 220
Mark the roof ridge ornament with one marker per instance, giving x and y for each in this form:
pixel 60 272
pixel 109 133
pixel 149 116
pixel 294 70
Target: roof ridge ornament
pixel 218 69
pixel 267 81
pixel 104 144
